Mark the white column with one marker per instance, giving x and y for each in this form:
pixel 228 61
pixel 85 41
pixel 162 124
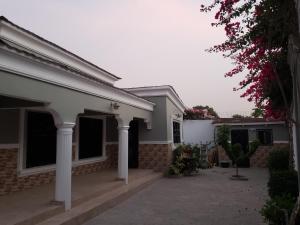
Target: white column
pixel 123 153
pixel 64 164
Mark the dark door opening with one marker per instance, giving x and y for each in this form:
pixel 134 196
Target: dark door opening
pixel 241 137
pixel 133 144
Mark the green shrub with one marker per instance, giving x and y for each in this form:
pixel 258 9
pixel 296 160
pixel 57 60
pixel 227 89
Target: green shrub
pixel 278 160
pixel 274 210
pixel 173 171
pixel 186 160
pixel 238 156
pixel 223 134
pixel 253 147
pixel 282 182
pixel 236 151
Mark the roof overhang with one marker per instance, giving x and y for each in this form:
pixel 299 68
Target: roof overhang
pixel 29 41
pixel 155 91
pixel 28 65
pixel 250 124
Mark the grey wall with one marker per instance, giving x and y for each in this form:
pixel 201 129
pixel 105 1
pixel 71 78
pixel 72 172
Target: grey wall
pixel 198 131
pixel 159 121
pixel 111 129
pixel 9 126
pixel 280 133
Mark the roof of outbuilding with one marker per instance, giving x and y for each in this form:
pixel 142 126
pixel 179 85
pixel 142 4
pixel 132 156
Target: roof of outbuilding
pixel 244 120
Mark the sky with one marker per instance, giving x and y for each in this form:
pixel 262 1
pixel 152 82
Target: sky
pixel 145 42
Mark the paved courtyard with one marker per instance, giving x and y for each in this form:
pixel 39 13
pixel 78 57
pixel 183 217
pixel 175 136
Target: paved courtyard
pixel 207 199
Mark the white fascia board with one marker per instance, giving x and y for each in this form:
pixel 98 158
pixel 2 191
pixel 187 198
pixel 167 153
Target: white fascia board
pixel 28 67
pixel 250 124
pixel 23 39
pixel 159 91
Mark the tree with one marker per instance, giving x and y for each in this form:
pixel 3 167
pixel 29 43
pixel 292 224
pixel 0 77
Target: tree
pixel 199 113
pixel 237 116
pixel 210 110
pixel 257 113
pixel 257 37
pixel 237 155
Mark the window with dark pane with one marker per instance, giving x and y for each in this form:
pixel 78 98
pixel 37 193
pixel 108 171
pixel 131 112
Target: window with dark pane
pixel 265 136
pixel 40 139
pixel 90 137
pixel 176 133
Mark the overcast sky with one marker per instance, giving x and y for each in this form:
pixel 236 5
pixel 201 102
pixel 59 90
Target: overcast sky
pixel 146 42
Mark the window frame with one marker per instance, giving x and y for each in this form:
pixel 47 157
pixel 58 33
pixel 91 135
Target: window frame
pixel 265 129
pixel 22 171
pixel 179 120
pixel 21 165
pixel 179 130
pixel 78 161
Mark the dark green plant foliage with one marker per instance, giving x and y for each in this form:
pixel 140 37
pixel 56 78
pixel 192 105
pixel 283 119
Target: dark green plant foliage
pixel 283 182
pixel 273 212
pixel 186 160
pixel 236 151
pixel 278 160
pixel 253 147
pixel 257 113
pixel 223 134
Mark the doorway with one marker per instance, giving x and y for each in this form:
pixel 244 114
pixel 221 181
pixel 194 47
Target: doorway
pixel 133 144
pixel 241 137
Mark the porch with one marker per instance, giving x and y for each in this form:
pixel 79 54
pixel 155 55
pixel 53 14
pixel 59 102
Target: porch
pixel 37 204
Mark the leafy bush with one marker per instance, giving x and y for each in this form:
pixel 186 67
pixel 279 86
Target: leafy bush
pixel 236 151
pixel 186 160
pixel 173 171
pixel 283 182
pixel 274 210
pixel 278 160
pixel 253 147
pixel 223 134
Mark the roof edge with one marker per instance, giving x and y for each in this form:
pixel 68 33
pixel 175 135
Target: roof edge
pixel 162 90
pixel 9 30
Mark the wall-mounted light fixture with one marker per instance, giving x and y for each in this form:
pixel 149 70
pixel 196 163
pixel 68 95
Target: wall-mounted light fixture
pixel 178 115
pixel 114 106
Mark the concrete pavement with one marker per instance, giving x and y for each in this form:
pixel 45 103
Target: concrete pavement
pixel 210 198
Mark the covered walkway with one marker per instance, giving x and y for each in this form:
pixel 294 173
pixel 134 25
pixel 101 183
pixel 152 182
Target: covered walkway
pixel 34 205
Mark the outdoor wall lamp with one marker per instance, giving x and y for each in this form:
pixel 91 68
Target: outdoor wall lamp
pixel 114 106
pixel 178 115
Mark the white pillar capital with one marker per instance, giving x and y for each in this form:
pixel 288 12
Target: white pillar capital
pixel 123 128
pixel 123 121
pixel 65 125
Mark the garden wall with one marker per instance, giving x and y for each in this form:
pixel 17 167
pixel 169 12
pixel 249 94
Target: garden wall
pixel 198 131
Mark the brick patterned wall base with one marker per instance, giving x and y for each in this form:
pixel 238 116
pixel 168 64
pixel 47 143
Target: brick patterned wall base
pixel 155 156
pixel 260 157
pixel 222 154
pixel 9 179
pixel 110 162
pixel 11 182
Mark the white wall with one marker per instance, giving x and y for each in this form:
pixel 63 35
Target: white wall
pixel 198 131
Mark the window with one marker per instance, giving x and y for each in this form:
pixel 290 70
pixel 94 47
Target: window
pixel 176 133
pixel 40 139
pixel 265 136
pixel 90 137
